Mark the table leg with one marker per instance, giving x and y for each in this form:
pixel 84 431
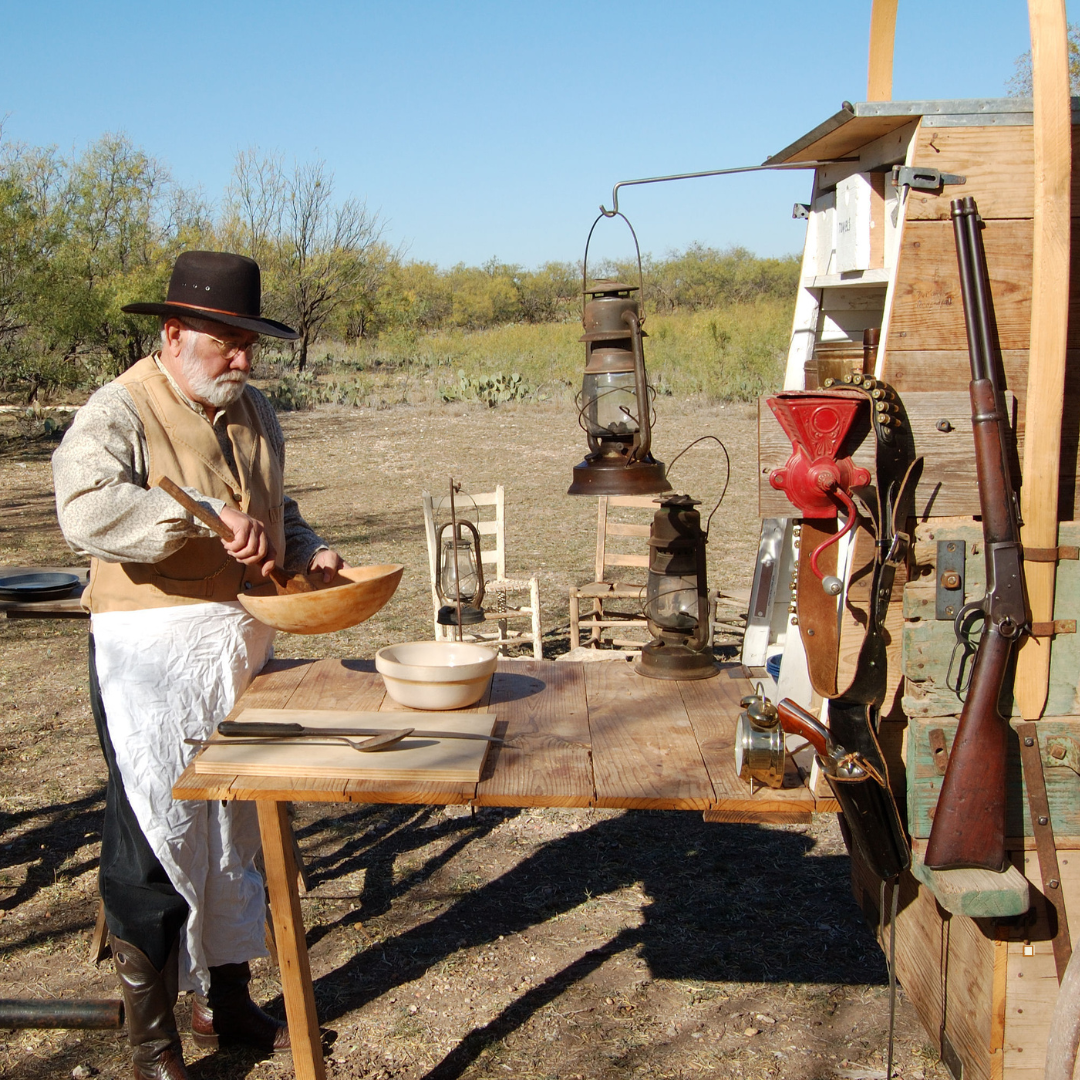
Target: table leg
pixel 292 952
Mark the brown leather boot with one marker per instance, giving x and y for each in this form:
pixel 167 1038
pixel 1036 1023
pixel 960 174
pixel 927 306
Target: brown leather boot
pixel 228 1016
pixel 149 999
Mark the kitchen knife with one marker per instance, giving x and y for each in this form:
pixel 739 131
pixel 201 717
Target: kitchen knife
pixel 256 729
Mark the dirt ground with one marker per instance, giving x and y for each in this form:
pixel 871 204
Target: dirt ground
pixel 583 945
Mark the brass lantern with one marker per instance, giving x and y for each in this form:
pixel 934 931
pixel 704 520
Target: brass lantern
pixel 676 595
pixel 616 400
pixel 460 583
pixel 760 751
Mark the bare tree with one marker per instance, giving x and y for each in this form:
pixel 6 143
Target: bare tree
pixel 317 254
pixel 254 204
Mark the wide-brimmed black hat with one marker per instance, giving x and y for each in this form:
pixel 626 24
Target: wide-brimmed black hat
pixel 220 286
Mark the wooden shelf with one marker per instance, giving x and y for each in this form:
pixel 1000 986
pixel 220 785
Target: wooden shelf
pixel 852 278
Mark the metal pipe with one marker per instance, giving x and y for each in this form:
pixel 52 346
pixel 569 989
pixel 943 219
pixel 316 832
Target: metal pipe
pixel 783 166
pixel 27 1013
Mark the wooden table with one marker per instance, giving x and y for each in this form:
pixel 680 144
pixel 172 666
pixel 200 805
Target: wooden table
pixel 584 735
pixel 67 608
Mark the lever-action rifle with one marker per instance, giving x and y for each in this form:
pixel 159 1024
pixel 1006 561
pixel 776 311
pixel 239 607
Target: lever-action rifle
pixel 969 822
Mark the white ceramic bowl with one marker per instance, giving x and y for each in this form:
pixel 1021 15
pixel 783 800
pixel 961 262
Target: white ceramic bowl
pixel 436 674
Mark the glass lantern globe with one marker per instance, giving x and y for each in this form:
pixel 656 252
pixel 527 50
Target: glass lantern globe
pixel 460 583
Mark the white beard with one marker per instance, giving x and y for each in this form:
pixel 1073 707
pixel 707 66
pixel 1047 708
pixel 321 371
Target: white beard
pixel 220 392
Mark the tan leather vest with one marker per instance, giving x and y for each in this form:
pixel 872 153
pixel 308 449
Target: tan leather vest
pixel 184 447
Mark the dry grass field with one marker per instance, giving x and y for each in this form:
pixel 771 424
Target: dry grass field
pixel 582 945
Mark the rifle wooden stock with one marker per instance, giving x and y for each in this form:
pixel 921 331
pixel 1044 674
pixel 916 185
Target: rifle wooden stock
pixel 969 821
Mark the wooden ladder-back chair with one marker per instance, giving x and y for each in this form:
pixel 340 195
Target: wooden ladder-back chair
pixel 497 586
pixel 614 536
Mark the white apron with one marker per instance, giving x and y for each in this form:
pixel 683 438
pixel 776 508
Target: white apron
pixel 169 674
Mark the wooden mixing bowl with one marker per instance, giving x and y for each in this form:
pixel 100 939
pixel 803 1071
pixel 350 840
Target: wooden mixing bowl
pixel 354 595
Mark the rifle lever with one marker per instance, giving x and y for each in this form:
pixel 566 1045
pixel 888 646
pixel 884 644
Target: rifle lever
pixel 967 643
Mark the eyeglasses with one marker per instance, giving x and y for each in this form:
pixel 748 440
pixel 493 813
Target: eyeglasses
pixel 230 349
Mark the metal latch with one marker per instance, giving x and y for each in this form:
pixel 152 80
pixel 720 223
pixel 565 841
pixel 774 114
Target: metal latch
pixel 923 178
pixel 949 594
pixel 1063 750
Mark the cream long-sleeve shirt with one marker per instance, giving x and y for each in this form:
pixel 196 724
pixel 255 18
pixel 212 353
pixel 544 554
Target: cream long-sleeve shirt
pixel 100 473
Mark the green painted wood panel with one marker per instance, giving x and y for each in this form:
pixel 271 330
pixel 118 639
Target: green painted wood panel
pixel 1062 781
pixel 928 644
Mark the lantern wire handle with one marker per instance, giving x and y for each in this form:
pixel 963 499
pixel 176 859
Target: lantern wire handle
pixel 727 472
pixel 585 262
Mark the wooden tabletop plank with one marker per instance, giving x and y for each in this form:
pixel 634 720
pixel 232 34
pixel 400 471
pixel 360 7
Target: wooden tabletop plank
pixel 544 718
pixel 339 684
pixel 645 754
pixel 713 706
pixel 289 789
pixel 191 786
pixel 373 791
pixel 273 686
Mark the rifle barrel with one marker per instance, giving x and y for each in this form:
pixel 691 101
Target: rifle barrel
pixel 963 213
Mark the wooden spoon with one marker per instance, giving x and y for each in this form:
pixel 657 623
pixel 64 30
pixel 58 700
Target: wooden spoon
pixel 285 583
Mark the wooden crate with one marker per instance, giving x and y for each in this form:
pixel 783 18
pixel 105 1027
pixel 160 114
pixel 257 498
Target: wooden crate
pixel 1056 734
pixel 984 989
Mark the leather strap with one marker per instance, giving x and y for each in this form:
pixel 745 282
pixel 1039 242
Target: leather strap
pixel 1043 830
pixel 816 608
pixel 857 613
pixel 1053 554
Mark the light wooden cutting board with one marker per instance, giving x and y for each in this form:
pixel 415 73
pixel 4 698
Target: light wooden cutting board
pixel 412 759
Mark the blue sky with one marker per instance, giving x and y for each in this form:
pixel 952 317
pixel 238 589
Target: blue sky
pixel 492 129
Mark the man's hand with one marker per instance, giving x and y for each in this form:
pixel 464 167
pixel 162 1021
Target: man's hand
pixel 328 561
pixel 249 544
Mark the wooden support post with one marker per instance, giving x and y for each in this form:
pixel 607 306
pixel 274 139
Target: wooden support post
pixel 281 874
pixel 882 38
pixel 1049 318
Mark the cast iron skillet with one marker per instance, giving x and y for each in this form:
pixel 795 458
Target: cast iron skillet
pixel 31 587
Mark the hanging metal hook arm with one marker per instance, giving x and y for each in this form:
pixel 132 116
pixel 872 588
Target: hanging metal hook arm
pixel 783 166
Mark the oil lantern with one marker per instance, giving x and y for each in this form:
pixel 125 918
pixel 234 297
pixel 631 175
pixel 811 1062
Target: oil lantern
pixel 616 400
pixel 676 595
pixel 460 583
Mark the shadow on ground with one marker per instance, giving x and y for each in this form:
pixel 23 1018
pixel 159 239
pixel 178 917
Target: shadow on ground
pixel 738 903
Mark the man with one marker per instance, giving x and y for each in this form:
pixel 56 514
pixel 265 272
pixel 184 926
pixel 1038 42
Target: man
pixel 171 648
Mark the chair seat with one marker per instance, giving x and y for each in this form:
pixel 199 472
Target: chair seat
pixel 509 584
